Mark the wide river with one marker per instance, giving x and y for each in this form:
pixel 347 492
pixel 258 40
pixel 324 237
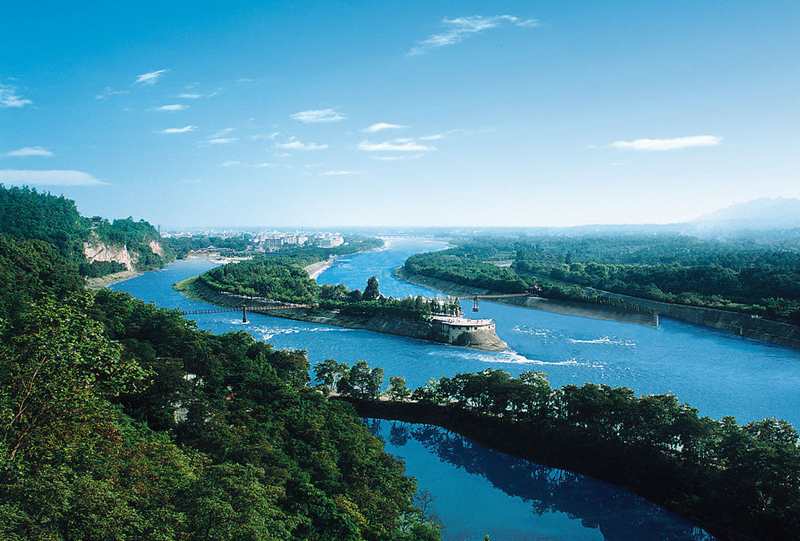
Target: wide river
pixel 477 491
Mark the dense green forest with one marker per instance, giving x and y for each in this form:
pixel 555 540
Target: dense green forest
pixel 740 482
pixel 741 276
pixel 121 420
pixel 28 214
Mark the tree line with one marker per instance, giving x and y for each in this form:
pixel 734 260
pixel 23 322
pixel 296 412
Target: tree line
pixel 741 482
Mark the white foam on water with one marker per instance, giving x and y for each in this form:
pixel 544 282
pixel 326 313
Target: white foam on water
pixel 604 340
pixel 506 357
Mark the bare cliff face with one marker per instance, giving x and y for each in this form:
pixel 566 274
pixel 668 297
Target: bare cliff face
pixel 99 251
pixel 96 249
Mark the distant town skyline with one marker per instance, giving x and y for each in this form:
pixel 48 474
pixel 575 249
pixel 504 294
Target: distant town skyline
pixel 439 113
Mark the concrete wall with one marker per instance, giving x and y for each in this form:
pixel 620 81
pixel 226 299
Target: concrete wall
pixel 732 322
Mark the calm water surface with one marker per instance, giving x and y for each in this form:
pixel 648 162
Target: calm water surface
pixel 481 492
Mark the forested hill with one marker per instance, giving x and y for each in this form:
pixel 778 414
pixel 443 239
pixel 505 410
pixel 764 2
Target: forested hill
pixel 28 214
pixel 121 420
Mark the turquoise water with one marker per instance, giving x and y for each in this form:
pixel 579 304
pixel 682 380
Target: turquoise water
pixel 717 373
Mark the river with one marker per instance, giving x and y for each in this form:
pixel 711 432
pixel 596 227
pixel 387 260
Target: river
pixel 477 491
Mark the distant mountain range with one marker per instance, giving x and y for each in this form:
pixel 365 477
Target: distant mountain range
pixel 758 214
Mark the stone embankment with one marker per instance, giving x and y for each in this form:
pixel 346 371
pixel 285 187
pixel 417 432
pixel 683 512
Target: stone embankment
pixel 483 339
pixel 740 324
pixel 571 308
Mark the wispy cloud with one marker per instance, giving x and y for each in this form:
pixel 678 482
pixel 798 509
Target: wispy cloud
pixel 49 178
pixel 223 140
pixel 318 115
pixel 185 129
pixel 398 145
pixel 223 132
pixel 338 173
pixel 10 98
pixel 190 96
pixel 382 126
pixel 111 92
pixel 30 151
pixel 433 137
pixel 294 144
pixel 456 30
pixel 397 158
pixel 229 163
pixel 668 144
pixel 173 107
pixel 150 78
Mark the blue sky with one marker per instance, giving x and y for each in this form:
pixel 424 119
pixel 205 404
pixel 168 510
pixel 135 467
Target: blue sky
pixel 402 113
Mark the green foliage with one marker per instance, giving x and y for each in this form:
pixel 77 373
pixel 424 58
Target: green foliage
pixel 279 279
pixel 121 420
pixel 372 291
pixel 28 214
pixel 457 266
pixel 96 269
pixel 741 276
pixel 744 479
pixel 33 270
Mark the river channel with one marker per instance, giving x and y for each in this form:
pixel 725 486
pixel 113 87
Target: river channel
pixel 477 491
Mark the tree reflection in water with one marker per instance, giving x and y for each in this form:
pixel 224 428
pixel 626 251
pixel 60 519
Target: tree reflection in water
pixel 620 515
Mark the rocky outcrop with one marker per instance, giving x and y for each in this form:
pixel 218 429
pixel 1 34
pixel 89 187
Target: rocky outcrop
pixel 156 247
pixel 96 250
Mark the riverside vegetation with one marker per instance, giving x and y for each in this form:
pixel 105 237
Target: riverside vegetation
pixel 121 420
pixel 737 482
pixel 760 279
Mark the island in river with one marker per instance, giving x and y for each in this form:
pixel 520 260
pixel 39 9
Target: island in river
pixel 422 319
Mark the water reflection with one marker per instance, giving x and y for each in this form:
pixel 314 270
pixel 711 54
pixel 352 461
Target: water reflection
pixel 618 514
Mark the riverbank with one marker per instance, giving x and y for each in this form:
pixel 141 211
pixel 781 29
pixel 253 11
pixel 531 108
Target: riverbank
pixel 102 282
pixel 315 269
pixel 571 308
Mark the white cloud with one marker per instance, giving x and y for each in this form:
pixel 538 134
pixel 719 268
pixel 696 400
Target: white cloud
pixel 668 144
pixel 10 98
pixel 398 145
pixel 397 158
pixel 319 115
pixel 340 173
pixel 382 126
pixel 462 27
pixel 174 107
pixel 293 144
pixel 185 129
pixel 49 178
pixel 229 163
pixel 30 151
pixel 190 96
pixel 150 78
pixel 111 92
pixel 223 132
pixel 223 140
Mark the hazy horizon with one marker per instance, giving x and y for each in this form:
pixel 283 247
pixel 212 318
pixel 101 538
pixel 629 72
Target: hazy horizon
pixel 435 114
